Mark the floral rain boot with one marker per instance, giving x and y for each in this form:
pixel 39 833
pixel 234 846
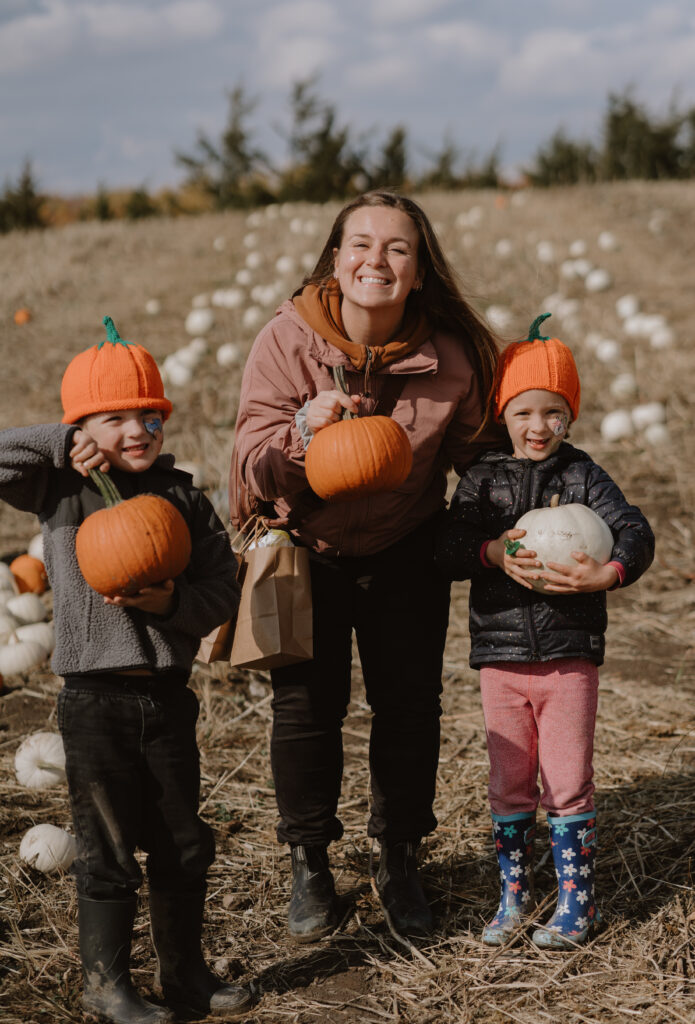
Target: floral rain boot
pixel 576 917
pixel 513 835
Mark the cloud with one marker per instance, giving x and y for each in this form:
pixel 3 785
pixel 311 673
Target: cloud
pixel 294 40
pixel 469 40
pixel 62 27
pixel 396 12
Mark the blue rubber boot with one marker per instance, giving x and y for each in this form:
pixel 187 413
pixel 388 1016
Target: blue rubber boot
pixel 576 917
pixel 514 835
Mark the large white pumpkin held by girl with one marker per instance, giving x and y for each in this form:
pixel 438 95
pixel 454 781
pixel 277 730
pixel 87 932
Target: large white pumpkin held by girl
pixel 554 531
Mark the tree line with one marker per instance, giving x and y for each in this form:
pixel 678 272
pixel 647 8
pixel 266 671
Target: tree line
pixel 326 160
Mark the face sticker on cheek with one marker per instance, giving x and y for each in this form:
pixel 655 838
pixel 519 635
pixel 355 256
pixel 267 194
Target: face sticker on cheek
pixel 153 425
pixel 559 424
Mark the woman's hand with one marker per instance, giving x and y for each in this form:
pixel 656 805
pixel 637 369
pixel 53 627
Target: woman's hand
pixel 85 454
pixel 328 407
pixel 522 566
pixel 584 578
pixel 158 599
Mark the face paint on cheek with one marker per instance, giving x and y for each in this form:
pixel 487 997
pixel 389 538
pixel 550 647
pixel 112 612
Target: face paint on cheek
pixel 153 425
pixel 559 424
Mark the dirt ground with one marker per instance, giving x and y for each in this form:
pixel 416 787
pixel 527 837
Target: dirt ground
pixel 641 964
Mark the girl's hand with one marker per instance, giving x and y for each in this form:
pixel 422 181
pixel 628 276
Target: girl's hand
pixel 328 407
pixel 522 566
pixel 158 599
pixel 85 454
pixel 584 578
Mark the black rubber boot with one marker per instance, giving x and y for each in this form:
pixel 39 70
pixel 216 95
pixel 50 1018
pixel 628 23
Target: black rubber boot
pixel 313 910
pixel 400 889
pixel 106 929
pixel 186 982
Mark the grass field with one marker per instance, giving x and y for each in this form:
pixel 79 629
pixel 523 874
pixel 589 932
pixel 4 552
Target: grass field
pixel 641 965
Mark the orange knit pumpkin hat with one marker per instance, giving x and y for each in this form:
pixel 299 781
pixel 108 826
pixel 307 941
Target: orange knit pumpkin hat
pixel 114 374
pixel 539 363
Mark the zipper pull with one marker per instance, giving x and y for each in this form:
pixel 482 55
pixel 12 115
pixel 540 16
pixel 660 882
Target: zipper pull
pixel 367 368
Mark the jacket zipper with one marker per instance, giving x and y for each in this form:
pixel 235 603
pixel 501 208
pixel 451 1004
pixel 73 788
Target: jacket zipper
pixel 528 608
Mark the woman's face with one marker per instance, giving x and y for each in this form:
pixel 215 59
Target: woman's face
pixel 377 262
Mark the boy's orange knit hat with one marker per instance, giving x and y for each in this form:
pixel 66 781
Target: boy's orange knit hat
pixel 114 374
pixel 539 363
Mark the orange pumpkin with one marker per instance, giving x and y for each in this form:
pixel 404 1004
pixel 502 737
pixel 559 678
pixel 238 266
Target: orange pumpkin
pixel 22 316
pixel 356 457
pixel 29 573
pixel 132 543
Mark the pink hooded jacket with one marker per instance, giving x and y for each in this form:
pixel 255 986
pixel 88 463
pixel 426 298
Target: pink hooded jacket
pixel 439 407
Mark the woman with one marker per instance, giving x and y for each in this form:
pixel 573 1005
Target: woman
pixel 381 303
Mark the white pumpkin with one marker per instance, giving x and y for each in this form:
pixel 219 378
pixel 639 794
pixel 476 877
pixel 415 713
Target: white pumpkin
pixel 27 608
pixel 199 321
pixel 555 531
pixel 41 632
pixel 20 656
pixel 8 624
pixel 48 848
pixel 40 760
pixel 35 548
pixel 617 425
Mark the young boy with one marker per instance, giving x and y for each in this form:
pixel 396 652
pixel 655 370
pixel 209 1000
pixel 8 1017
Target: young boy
pixel 126 714
pixel 538 652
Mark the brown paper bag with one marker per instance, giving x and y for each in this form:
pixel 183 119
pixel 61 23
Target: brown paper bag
pixel 217 645
pixel 274 622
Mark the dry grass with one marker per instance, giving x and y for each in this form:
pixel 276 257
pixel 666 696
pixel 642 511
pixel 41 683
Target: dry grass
pixel 641 965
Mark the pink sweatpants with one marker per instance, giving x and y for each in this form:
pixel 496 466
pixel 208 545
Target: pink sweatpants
pixel 544 712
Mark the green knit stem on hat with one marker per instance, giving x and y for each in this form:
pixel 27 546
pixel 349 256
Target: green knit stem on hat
pixel 112 334
pixel 533 334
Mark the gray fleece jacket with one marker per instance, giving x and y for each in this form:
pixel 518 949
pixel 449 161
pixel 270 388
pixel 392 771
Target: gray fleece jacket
pixel 36 476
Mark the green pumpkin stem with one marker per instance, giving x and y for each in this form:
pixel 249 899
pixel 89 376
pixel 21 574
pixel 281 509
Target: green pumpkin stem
pixel 112 335
pixel 533 334
pixel 106 486
pixel 341 385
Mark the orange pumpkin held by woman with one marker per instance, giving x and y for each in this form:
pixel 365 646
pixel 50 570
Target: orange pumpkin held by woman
pixel 132 543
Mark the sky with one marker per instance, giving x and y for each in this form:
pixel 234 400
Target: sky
pixel 102 92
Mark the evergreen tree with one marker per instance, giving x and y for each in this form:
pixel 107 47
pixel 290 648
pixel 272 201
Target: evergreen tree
pixel 564 162
pixel 140 204
pixel 232 171
pixel 390 170
pixel 21 203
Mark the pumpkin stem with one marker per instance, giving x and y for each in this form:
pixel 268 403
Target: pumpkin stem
pixel 106 486
pixel 555 501
pixel 533 334
pixel 112 334
pixel 341 385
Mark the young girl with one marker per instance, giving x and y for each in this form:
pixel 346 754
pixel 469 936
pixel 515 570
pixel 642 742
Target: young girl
pixel 538 652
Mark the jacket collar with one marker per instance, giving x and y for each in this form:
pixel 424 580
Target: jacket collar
pixel 423 360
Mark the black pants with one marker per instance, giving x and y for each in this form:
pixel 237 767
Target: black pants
pixel 399 608
pixel 133 775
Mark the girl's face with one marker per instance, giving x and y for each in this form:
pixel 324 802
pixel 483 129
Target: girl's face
pixel 537 422
pixel 377 262
pixel 131 439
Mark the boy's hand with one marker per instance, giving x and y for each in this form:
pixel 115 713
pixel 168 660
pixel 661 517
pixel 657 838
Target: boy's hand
pixel 85 454
pixel 584 578
pixel 522 566
pixel 158 599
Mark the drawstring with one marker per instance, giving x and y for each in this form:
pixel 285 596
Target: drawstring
pixel 367 367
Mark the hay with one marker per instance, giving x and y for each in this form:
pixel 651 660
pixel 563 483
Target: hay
pixel 641 964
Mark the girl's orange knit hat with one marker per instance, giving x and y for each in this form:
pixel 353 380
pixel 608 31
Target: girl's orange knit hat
pixel 539 363
pixel 114 374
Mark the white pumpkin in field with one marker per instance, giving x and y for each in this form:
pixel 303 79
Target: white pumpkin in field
pixel 48 848
pixel 557 530
pixel 40 760
pixel 27 608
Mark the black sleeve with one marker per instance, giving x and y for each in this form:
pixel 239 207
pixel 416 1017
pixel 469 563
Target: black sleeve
pixel 633 540
pixel 462 531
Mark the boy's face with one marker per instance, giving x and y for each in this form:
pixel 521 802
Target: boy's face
pixel 131 439
pixel 537 422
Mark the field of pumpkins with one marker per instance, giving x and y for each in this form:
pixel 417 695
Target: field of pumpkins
pixel 612 265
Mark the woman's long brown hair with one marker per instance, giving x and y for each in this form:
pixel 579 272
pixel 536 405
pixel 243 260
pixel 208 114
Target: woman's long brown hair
pixel 440 299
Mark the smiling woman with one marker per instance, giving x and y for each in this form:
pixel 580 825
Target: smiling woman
pixel 379 326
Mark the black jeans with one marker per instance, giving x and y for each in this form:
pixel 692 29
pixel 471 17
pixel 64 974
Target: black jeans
pixel 399 608
pixel 133 774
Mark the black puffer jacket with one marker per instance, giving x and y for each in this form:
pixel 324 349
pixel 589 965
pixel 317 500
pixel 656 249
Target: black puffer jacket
pixel 507 621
